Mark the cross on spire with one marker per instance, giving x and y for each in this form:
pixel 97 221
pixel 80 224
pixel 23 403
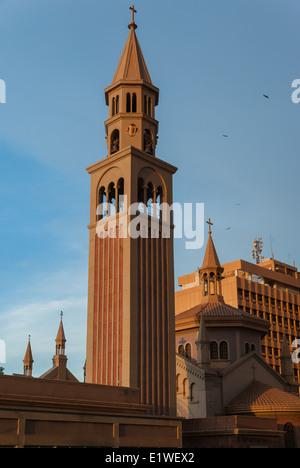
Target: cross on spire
pixel 210 225
pixel 132 13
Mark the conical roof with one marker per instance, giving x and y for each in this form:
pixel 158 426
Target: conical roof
pixel 132 65
pixel 60 337
pixel 28 358
pixel 211 259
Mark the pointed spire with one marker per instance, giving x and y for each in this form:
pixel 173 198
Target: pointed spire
pixel 211 272
pixel 211 259
pixel 132 65
pixel 28 360
pixel 60 338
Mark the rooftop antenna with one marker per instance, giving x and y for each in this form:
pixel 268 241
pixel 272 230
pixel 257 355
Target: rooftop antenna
pixel 257 251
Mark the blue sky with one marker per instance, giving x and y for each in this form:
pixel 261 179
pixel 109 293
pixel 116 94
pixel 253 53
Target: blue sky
pixel 213 60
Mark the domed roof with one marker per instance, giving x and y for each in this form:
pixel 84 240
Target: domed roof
pixel 259 397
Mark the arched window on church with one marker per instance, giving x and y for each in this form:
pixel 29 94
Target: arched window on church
pixel 145 104
pixel 177 382
pixel 150 199
pixel 205 281
pixel 113 110
pixel 188 350
pixel 120 201
pixel 247 348
pixel 134 102
pixel 185 387
pixel 253 347
pixel 117 104
pixel 115 141
pixel 181 350
pixel 111 199
pixel 149 110
pixel 159 201
pixel 101 208
pixel 214 350
pixel 148 141
pixel 223 350
pixel 128 102
pixel 289 436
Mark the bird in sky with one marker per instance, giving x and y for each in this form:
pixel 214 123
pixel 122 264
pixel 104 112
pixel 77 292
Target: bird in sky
pixel 266 96
pixel 225 136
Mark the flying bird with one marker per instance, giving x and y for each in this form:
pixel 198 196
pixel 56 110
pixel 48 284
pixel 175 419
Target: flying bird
pixel 228 228
pixel 225 136
pixel 267 97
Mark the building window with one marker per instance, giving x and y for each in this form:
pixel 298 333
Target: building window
pixel 133 102
pixel 181 350
pixel 115 142
pixel 148 141
pixel 214 350
pixel 188 350
pixel 223 350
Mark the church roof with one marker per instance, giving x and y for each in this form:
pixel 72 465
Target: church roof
pixel 211 259
pixel 60 337
pixel 28 355
pixel 260 397
pixel 218 310
pixel 132 65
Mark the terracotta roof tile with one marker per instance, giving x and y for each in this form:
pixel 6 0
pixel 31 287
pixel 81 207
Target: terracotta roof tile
pixel 260 397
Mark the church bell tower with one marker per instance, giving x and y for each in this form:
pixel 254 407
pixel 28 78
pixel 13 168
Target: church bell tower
pixel 130 324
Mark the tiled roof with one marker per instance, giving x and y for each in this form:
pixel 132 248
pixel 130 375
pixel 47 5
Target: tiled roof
pixel 260 397
pixel 217 309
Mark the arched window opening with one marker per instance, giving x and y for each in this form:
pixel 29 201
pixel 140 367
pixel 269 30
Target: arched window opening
pixel 128 102
pixel 205 281
pixel 145 104
pixel 120 196
pixel 117 104
pixel 111 199
pixel 188 350
pixel 141 195
pixel 115 142
pixel 289 436
pixel 212 283
pixel 159 201
pixel 101 208
pixel 177 382
pixel 253 347
pixel 247 348
pixel 134 102
pixel 150 199
pixel 214 350
pixel 181 350
pixel 148 142
pixel 149 109
pixel 223 350
pixel 185 387
pixel 113 110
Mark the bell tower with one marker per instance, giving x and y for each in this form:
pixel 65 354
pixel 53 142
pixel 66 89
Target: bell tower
pixel 131 319
pixel 131 99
